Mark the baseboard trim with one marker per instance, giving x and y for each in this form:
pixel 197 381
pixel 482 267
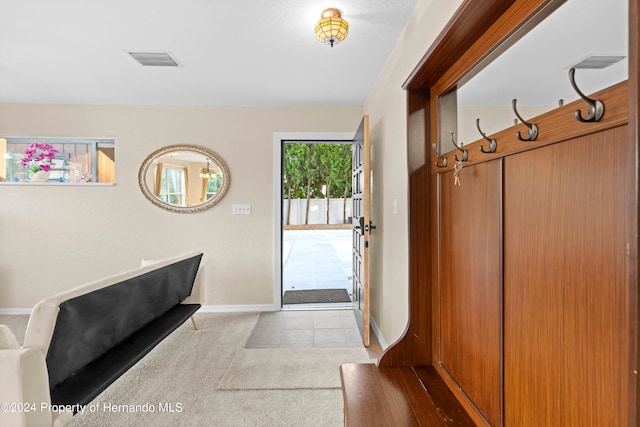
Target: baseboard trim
pixel 14 311
pixel 236 308
pixel 376 331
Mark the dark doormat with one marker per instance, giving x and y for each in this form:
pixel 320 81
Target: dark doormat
pixel 316 296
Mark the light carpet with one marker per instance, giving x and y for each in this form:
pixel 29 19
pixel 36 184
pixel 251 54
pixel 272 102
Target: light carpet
pixel 178 381
pixel 270 369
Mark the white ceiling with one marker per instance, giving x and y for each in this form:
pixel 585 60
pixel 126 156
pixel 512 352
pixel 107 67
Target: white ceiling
pixel 233 52
pixel 264 52
pixel 535 70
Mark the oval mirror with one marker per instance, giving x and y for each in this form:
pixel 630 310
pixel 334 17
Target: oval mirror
pixel 184 178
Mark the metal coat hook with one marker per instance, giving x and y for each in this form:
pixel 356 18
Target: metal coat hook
pixel 533 129
pixel 492 142
pixel 440 156
pixel 596 107
pixel 465 153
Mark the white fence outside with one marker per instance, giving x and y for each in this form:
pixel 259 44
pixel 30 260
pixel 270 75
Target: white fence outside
pixel 317 211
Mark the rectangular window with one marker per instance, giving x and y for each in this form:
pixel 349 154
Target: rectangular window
pixel 77 160
pixel 172 185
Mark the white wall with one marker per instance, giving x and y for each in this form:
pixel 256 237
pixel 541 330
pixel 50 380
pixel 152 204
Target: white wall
pixel 386 107
pixel 55 238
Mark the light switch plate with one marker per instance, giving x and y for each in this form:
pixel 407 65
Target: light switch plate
pixel 242 209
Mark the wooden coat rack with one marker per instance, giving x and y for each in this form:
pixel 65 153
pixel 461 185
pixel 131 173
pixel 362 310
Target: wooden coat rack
pixel 523 286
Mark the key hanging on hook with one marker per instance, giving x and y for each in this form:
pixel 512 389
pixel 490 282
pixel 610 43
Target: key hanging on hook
pixel 456 172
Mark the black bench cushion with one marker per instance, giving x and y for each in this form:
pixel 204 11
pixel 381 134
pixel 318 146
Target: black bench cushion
pixel 84 385
pixel 90 325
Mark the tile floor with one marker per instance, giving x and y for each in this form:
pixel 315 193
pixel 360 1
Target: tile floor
pixel 306 329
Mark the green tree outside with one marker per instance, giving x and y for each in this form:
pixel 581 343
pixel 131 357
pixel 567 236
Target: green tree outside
pixel 316 170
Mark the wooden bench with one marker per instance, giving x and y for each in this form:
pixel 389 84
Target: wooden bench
pixel 403 396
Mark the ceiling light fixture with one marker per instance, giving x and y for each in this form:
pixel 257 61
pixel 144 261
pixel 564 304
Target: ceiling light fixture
pixel 331 29
pixel 206 172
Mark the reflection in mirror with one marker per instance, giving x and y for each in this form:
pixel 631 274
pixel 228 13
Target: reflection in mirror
pixel 76 160
pixel 184 178
pixel 590 35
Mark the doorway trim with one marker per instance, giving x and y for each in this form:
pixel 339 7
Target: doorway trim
pixel 278 139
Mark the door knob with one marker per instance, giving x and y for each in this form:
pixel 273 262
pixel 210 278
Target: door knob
pixel 362 226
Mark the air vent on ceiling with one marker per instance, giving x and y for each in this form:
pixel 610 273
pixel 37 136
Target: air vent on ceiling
pixel 154 59
pixel 598 61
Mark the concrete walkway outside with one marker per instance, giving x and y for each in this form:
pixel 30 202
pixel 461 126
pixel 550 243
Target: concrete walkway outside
pixel 316 259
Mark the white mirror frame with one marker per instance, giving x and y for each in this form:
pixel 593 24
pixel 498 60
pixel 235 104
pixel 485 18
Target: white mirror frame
pixel 226 180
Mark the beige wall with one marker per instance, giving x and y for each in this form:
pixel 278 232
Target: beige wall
pixel 386 107
pixel 53 238
pixel 492 119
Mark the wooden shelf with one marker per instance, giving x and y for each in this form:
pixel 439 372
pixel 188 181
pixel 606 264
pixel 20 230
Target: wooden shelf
pixel 404 396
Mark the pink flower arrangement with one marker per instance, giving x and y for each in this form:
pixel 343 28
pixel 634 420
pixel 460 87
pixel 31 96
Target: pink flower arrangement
pixel 38 156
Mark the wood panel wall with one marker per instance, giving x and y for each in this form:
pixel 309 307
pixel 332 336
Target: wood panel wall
pixel 533 309
pixel 565 287
pixel 633 403
pixel 470 294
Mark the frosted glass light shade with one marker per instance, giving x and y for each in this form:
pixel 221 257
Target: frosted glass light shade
pixel 331 29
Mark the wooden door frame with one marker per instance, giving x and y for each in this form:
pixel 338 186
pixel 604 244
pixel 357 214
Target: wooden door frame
pixel 478 32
